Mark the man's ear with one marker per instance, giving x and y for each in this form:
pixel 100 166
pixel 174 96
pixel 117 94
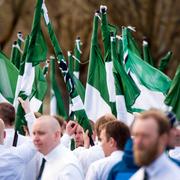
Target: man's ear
pixel 112 142
pixel 164 139
pixel 57 134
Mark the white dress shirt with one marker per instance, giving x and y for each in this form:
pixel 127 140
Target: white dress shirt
pixel 14 159
pixel 31 169
pixel 175 153
pixel 30 118
pixel 99 170
pixel 8 141
pixel 88 156
pixel 161 168
pixel 66 140
pixel 61 164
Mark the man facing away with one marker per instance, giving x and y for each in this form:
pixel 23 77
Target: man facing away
pixel 7 114
pixel 13 160
pixel 150 135
pixel 60 162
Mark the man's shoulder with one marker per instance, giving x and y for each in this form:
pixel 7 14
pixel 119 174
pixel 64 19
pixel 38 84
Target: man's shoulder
pixel 100 163
pixel 67 155
pixel 138 175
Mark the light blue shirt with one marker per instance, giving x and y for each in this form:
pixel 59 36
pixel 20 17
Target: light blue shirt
pixel 61 164
pixel 161 168
pixel 13 160
pixel 99 170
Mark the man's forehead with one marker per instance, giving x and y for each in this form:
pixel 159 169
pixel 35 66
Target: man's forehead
pixel 145 124
pixel 41 125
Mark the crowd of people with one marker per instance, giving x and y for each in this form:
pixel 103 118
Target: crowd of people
pixel 54 149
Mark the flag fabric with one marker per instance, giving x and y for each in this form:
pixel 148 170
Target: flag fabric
pixel 173 96
pixel 8 79
pixel 119 49
pixel 96 95
pixel 21 72
pixel 78 106
pixel 126 90
pixel 39 90
pixel 27 80
pixel 24 88
pixel 79 87
pixel 164 61
pixel 39 51
pixel 106 29
pixel 45 68
pixel 131 42
pixel 16 51
pixel 152 83
pixel 71 69
pixel 70 62
pixel 147 54
pixel 56 103
pixel 77 57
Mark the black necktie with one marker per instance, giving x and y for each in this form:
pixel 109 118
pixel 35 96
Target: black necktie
pixel 145 175
pixel 41 169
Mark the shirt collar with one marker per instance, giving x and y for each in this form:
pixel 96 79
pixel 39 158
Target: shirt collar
pixel 116 153
pixel 9 130
pixel 156 165
pixel 53 154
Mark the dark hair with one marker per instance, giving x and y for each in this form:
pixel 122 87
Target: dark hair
pixel 7 113
pixel 118 131
pixel 160 118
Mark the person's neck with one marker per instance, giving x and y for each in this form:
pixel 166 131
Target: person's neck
pixel 7 126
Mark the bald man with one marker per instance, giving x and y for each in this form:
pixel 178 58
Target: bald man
pixel 60 162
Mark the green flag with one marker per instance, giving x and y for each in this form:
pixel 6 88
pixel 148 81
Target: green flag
pixel 37 50
pixel 106 29
pixel 16 51
pixel 39 90
pixel 77 57
pixel 28 76
pixel 8 79
pixel 152 83
pixel 70 62
pixel 126 90
pixel 96 95
pixel 164 61
pixel 78 107
pixel 79 87
pixel 56 104
pixel 147 54
pixel 173 96
pixel 45 68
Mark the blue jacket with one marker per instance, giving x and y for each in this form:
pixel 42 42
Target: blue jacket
pixel 126 167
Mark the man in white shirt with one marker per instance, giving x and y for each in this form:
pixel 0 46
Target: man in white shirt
pixel 94 153
pixel 60 162
pixel 113 138
pixel 13 160
pixel 7 114
pixel 150 135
